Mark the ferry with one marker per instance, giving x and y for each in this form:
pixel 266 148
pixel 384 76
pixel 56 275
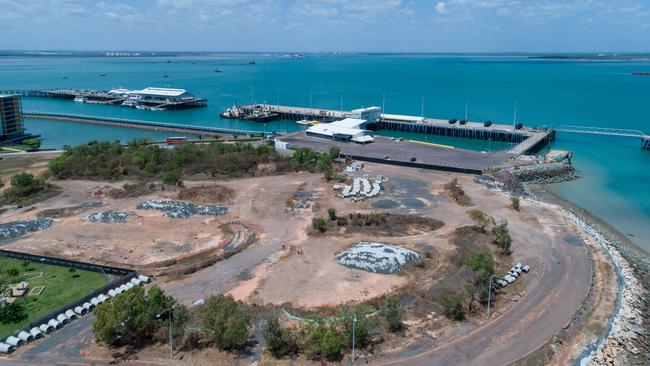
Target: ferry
pixel 262 117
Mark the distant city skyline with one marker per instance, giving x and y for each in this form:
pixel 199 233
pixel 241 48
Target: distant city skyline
pixel 327 25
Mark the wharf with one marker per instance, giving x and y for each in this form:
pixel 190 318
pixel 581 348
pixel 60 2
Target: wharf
pixel 645 143
pixel 386 151
pixel 106 97
pixel 528 140
pixel 139 124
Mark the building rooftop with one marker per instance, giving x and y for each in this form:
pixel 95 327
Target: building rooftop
pixel 164 92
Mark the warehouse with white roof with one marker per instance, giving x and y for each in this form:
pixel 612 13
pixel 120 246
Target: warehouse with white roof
pixel 349 129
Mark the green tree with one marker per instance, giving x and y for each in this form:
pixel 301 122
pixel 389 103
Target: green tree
pixel 323 342
pixel 12 313
pixel 32 144
pixel 319 224
pixel 331 212
pixel 502 237
pixel 480 218
pixel 453 308
pixel 362 327
pixel 279 341
pixel 481 263
pixel 393 314
pixel 334 152
pixel 225 323
pixel 172 177
pixel 13 272
pixel 514 203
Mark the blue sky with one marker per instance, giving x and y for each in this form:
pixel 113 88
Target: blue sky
pixel 328 25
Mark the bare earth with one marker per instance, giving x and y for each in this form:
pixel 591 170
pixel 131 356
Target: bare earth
pixel 285 265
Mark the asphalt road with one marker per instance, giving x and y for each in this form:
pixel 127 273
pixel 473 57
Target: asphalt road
pixel 562 284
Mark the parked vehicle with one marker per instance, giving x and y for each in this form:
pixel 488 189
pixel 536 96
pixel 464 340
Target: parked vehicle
pixel 525 268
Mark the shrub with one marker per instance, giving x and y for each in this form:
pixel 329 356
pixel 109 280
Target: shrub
pixel 480 218
pixel 279 341
pixel 323 342
pixel 453 308
pixel 32 144
pixel 225 323
pixel 341 221
pixel 331 213
pixel 393 314
pixel 319 224
pixel 172 177
pixel 502 237
pixel 24 185
pixel 515 203
pixel 362 327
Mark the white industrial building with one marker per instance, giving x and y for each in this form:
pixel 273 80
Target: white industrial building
pixel 370 114
pixel 349 129
pixel 154 94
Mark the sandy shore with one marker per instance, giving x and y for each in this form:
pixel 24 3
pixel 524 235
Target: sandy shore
pixel 627 336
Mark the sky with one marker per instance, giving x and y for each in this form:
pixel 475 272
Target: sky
pixel 327 25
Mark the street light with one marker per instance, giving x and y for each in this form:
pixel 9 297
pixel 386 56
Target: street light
pixel 42 260
pixel 171 344
pixel 354 323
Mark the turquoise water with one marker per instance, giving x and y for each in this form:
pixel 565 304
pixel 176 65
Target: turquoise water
pixel 551 93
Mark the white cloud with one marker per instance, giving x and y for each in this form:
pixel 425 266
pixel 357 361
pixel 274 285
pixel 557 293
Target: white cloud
pixel 441 7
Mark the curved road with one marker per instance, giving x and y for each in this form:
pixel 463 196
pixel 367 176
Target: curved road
pixel 559 287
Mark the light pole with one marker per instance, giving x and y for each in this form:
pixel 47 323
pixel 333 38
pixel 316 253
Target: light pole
pixel 171 344
pixel 489 296
pixel 310 95
pixel 42 260
pixel 383 103
pixel 422 108
pixel 341 101
pixel 466 109
pixel 278 100
pixel 252 99
pixel 354 323
pixel 514 118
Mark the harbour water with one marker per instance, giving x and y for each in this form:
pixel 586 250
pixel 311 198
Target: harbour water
pixel 547 93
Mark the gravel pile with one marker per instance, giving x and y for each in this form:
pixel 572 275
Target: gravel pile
pixel 15 229
pixel 182 210
pixel 377 257
pixel 110 216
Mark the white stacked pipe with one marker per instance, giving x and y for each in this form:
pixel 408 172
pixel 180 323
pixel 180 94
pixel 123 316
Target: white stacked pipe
pixel 46 328
pixel 61 318
pixel 55 323
pixel 80 310
pixel 88 307
pixel 102 298
pixel 70 314
pixel 14 341
pixel 6 348
pixel 145 279
pixel 36 333
pixel 26 337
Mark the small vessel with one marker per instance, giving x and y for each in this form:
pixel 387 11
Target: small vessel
pixel 65 78
pixel 262 117
pixel 102 74
pixel 80 99
pixel 641 73
pixel 314 122
pixel 231 113
pixel 304 122
pixel 217 70
pixel 131 103
pixel 251 62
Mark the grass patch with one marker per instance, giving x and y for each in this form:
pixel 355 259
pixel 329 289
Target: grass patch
pixel 62 286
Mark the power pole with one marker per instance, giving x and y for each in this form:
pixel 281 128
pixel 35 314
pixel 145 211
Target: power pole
pixel 489 296
pixel 422 108
pixel 514 118
pixel 383 103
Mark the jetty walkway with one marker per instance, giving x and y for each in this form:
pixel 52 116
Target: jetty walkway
pixel 140 124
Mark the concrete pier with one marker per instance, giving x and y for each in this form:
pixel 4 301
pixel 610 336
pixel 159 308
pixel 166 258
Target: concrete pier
pixel 528 140
pixel 645 143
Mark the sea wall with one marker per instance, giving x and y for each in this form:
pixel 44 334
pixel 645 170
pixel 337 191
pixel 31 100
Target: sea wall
pixel 545 173
pixel 627 325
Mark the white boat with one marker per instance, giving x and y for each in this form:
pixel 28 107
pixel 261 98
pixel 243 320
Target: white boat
pixel 130 103
pixel 304 122
pixel 80 99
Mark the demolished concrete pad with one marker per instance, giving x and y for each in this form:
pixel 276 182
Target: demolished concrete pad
pixel 110 216
pixel 15 229
pixel 182 210
pixel 377 257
